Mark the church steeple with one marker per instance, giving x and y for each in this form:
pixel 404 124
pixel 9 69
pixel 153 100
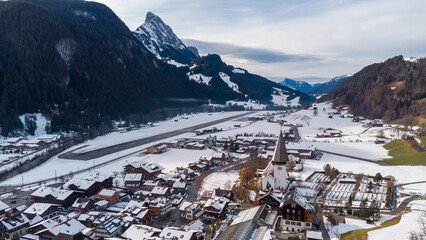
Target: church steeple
pixel 280 153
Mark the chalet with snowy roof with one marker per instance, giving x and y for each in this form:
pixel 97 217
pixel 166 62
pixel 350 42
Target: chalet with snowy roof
pixel 82 205
pixel 149 170
pixel 197 167
pixel 14 226
pixel 175 233
pixel 195 226
pixel 14 140
pixel 188 210
pixel 214 208
pixel 377 123
pixel 206 160
pixel 297 212
pixel 143 215
pixel 160 206
pixel 160 191
pixel 110 227
pixel 173 143
pixel 218 192
pixel 90 184
pixel 67 230
pixel 44 210
pixel 195 146
pixel 271 198
pixel 141 232
pixel 330 132
pixel 157 148
pixel 28 236
pixel 3 208
pixel 150 184
pixel 178 187
pixel 52 195
pixel 110 195
pixel 218 156
pixel 275 174
pixel 49 138
pixel 132 180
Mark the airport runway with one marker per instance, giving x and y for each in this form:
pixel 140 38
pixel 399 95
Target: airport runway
pixel 123 146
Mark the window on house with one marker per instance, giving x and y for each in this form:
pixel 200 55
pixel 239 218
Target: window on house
pixel 308 224
pixel 299 224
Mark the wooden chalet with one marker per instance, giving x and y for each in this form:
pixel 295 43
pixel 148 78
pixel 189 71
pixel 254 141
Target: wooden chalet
pixel 110 195
pixel 157 148
pixel 90 184
pixel 149 170
pixel 62 197
pixel 297 212
pixel 82 205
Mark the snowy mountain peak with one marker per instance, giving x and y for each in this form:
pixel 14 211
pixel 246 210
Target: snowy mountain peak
pixel 160 39
pixel 339 78
pixel 412 59
pixel 150 16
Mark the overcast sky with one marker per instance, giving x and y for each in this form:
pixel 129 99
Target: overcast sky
pixel 295 39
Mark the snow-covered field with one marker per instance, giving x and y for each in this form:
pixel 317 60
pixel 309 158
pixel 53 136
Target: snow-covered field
pixel 219 180
pixel 364 148
pixel 158 128
pixel 409 222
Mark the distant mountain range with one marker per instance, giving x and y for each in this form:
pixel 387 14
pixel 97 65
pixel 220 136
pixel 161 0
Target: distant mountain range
pixel 316 88
pixel 391 90
pixel 210 70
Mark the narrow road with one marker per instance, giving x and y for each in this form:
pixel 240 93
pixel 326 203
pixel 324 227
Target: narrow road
pixel 127 145
pixel 405 203
pixel 192 191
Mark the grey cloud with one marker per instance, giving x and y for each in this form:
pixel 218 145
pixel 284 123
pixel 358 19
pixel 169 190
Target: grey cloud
pixel 259 55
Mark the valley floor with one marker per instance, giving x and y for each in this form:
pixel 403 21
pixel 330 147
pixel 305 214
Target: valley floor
pixel 357 141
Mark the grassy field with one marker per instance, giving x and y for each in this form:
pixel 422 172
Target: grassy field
pixel 361 234
pixel 420 121
pixel 404 154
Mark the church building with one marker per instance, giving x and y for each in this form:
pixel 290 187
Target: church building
pixel 274 176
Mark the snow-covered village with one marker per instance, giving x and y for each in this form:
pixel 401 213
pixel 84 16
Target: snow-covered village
pixel 215 120
pixel 318 173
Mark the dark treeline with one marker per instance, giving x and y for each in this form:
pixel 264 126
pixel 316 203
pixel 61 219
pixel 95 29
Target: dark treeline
pixel 390 90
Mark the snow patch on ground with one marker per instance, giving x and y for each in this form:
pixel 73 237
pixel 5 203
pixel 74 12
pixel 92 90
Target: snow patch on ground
pixel 408 223
pixel 41 122
pixel 250 104
pixel 228 81
pixel 219 180
pixel 280 98
pixel 85 14
pixel 199 78
pixel 239 71
pixel 177 64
